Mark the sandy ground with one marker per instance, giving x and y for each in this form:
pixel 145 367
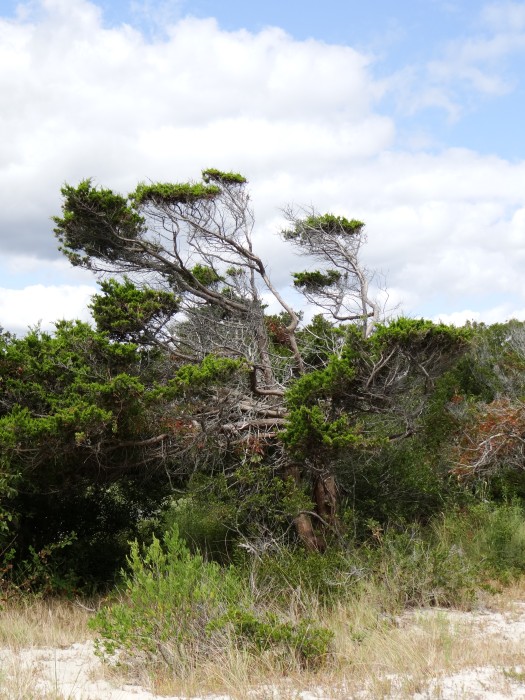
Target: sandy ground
pixel 76 673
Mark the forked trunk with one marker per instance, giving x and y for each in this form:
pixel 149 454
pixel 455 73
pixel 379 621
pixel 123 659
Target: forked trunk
pixel 311 528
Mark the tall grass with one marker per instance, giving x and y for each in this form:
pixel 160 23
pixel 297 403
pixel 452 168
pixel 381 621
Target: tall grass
pixel 288 613
pixel 183 624
pixel 36 622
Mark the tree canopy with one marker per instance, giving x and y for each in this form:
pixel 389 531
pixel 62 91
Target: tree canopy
pixel 190 395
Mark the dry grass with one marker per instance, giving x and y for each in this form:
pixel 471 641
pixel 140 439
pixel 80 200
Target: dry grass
pixel 43 623
pixel 384 656
pixel 30 624
pixel 401 657
pixel 504 598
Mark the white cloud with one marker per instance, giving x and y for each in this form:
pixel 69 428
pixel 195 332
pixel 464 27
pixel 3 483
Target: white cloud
pixel 299 118
pixel 496 314
pixel 457 318
pixel 83 100
pixel 39 304
pixel 504 16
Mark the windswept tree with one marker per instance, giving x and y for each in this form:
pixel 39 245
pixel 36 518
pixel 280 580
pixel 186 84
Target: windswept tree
pixel 342 286
pixel 193 284
pixel 193 241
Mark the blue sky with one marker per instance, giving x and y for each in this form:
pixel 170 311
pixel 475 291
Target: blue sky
pixel 408 114
pixel 401 36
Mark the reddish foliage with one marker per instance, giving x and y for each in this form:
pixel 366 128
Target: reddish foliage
pixel 278 332
pixel 494 440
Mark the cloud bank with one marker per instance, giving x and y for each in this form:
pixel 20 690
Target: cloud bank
pixel 302 119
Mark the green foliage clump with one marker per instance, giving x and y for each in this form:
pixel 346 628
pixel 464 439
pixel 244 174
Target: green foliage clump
pixel 265 500
pixel 95 221
pixel 224 178
pixel 130 314
pixel 310 434
pixel 43 572
pixel 205 519
pixel 174 605
pixel 449 560
pixel 315 280
pixel 8 490
pixel 212 370
pixel 392 482
pixel 373 391
pixel 313 427
pixel 206 275
pixel 325 224
pixel 75 409
pixel 420 335
pixel 171 194
pixel 169 598
pixel 320 386
pixel 246 500
pixel 310 643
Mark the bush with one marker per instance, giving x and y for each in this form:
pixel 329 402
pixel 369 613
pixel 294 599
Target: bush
pixel 170 596
pixel 308 642
pixel 448 561
pixel 303 578
pixel 176 609
pixel 417 569
pixel 491 536
pixel 205 527
pixel 398 482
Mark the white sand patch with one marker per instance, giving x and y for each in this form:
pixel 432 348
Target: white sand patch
pixel 473 684
pixel 77 674
pixel 74 673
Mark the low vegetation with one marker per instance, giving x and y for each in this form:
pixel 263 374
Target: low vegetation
pixel 244 495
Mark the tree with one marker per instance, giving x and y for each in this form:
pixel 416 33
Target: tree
pixel 194 287
pixel 192 244
pixel 334 240
pixel 490 446
pixel 92 439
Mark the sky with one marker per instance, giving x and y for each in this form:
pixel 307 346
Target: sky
pixel 407 115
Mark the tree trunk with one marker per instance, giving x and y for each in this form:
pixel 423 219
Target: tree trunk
pixel 325 498
pixel 312 541
pixel 309 528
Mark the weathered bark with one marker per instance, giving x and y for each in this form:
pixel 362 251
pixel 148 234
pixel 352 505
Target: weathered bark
pixel 325 498
pixel 306 533
pixel 307 523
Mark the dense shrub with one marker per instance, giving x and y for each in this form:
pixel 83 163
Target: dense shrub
pixel 168 599
pixel 490 535
pixel 415 569
pixel 309 643
pixel 293 577
pixel 176 608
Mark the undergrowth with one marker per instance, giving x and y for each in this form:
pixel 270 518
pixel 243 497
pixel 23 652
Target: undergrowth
pixel 176 610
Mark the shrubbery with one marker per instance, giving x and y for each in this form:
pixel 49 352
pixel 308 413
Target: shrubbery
pixel 403 451
pixel 176 608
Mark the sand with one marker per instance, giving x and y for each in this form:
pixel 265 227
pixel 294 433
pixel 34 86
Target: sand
pixel 76 673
